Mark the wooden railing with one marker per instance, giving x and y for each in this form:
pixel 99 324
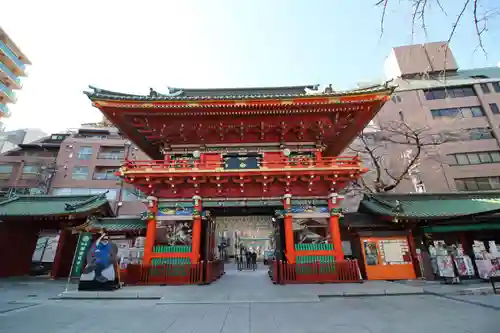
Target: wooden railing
pixel 183 165
pixel 169 274
pixel 341 271
pixel 215 269
pixel 173 274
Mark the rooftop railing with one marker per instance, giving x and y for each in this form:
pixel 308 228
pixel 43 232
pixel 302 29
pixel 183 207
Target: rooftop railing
pixel 12 76
pixel 6 90
pixel 186 165
pixel 5 49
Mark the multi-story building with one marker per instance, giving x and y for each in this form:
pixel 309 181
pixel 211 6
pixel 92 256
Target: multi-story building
pixel 12 139
pixel 30 168
pixel 459 110
pixel 12 66
pixel 88 161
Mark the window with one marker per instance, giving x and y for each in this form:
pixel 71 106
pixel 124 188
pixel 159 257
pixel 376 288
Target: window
pixel 478 184
pixel 496 86
pixel 80 173
pixel 61 191
pixel 30 169
pixel 480 134
pixel 475 158
pixel 57 137
pixel 6 168
pixel 85 153
pixel 494 108
pixel 465 112
pixel 452 92
pixel 105 174
pixel 396 99
pixel 111 195
pixel 113 154
pixel 485 88
pixel 132 194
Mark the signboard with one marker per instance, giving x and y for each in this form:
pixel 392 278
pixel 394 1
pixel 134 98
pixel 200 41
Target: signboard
pixel 82 247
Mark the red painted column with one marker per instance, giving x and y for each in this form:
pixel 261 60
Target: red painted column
pixel 289 241
pixel 150 230
pixel 63 236
pixel 196 239
pixel 333 203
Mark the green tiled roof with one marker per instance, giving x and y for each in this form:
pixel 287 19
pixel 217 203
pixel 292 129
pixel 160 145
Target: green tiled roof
pixel 47 205
pixel 431 206
pixel 115 224
pixel 230 93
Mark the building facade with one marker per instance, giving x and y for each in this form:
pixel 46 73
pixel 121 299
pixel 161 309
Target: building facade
pixel 13 64
pixel 88 162
pixel 456 114
pixel 30 168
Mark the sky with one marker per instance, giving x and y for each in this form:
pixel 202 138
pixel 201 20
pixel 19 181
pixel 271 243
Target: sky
pixel 129 46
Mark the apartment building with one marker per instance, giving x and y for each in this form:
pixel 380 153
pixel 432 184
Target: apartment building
pixel 13 64
pixel 458 109
pixel 29 168
pixel 87 163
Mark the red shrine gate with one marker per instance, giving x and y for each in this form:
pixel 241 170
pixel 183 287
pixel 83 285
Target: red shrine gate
pixel 246 147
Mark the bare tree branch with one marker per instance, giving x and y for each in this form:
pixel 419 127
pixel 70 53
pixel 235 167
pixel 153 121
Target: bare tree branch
pixel 420 9
pixel 380 150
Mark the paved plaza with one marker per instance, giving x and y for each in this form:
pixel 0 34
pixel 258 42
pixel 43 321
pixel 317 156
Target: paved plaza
pixel 249 302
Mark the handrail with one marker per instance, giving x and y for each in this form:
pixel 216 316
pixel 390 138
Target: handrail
pixel 188 164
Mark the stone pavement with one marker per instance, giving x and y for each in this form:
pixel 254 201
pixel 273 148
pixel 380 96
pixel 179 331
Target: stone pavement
pixel 408 314
pixel 248 286
pixel 466 287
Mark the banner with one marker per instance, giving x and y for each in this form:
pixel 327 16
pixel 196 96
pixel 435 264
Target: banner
pixel 82 247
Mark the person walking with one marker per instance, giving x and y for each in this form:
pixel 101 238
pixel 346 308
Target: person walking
pixel 254 260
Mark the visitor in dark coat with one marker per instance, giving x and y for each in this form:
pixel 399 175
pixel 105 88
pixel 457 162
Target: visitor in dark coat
pixel 254 260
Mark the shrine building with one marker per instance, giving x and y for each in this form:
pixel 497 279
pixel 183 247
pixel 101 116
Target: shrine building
pixel 264 154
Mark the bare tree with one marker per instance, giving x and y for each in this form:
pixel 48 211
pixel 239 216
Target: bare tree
pixel 478 12
pixel 393 153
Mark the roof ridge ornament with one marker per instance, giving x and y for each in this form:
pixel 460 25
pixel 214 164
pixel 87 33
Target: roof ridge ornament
pixel 172 92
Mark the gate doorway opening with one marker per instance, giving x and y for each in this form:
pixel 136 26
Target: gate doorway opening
pixel 248 238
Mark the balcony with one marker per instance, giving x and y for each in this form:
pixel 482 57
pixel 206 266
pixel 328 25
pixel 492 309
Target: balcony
pixel 6 74
pixel 293 165
pixel 115 156
pixel 7 56
pixel 105 174
pixel 9 94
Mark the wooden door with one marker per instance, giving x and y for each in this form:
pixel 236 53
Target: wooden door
pixel 387 258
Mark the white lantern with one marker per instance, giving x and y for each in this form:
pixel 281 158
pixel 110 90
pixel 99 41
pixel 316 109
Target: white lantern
pixel 286 152
pixel 196 154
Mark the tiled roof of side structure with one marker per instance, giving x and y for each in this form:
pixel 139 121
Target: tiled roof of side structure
pixel 176 94
pixel 431 205
pixel 48 205
pixel 116 224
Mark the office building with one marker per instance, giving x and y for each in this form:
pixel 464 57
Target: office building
pixel 87 164
pixel 458 109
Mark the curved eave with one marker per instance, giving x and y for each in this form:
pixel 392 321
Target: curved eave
pixel 239 104
pixel 133 101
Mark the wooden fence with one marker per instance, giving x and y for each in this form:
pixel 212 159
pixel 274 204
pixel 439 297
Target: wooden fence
pixel 340 271
pixel 173 274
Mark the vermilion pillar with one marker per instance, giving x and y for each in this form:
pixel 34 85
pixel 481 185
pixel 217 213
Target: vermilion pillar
pixel 289 241
pixel 333 208
pixel 150 230
pixel 196 239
